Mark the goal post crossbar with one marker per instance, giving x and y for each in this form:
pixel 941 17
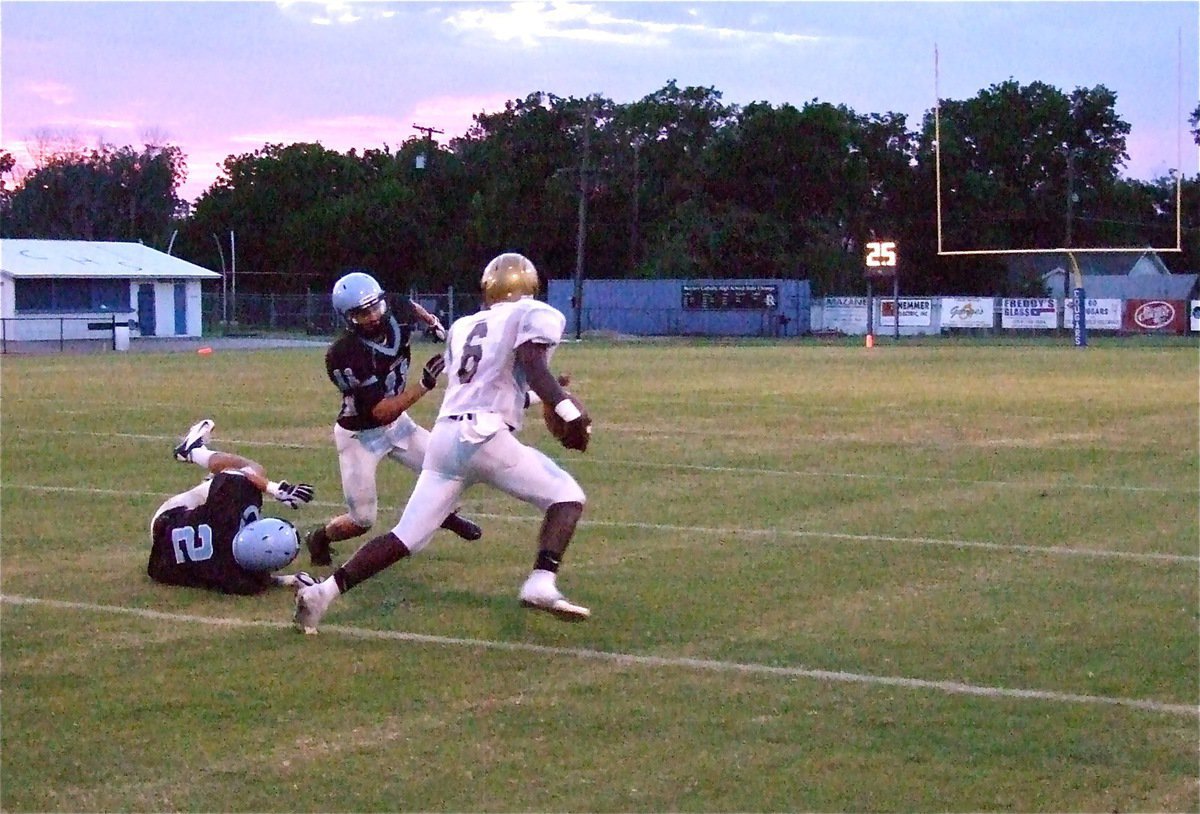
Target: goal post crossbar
pixel 937 155
pixel 1059 250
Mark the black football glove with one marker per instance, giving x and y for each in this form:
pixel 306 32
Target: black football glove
pixel 293 495
pixel 433 368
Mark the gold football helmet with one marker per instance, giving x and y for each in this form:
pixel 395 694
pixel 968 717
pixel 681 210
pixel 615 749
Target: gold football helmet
pixel 507 278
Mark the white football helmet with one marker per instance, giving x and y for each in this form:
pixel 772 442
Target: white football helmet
pixel 266 544
pixel 508 278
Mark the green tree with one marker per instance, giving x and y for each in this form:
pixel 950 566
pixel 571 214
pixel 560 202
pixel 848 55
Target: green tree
pixel 1010 154
pixel 104 193
pixel 261 197
pixel 521 165
pixel 1020 164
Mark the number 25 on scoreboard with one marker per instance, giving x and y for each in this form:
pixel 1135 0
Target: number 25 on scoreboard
pixel 881 254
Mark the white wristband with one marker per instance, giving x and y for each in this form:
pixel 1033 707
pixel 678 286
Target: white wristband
pixel 532 398
pixel 567 410
pixel 272 488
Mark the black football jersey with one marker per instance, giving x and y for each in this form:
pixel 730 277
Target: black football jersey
pixel 367 372
pixel 194 547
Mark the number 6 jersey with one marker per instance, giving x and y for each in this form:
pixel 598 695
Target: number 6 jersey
pixel 482 373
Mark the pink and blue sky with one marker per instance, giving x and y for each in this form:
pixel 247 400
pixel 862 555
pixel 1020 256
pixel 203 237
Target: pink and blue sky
pixel 222 78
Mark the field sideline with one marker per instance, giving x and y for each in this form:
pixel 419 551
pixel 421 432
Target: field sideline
pixel 921 577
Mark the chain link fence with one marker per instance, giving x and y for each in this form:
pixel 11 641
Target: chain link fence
pixel 312 313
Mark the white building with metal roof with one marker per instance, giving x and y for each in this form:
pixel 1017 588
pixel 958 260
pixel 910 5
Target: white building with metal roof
pixel 83 289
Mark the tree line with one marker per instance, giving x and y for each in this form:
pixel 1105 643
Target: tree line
pixel 675 185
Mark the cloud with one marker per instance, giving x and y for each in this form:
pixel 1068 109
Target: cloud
pixel 56 93
pixel 531 23
pixel 333 13
pixel 453 115
pixel 107 124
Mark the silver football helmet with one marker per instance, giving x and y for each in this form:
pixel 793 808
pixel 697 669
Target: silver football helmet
pixel 360 301
pixel 266 544
pixel 508 278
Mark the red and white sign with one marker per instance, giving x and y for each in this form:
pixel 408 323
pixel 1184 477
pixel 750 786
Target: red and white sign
pixel 913 312
pixel 1158 316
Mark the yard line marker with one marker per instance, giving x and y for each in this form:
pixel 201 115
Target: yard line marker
pixel 928 541
pixel 744 470
pixel 1114 554
pixel 706 665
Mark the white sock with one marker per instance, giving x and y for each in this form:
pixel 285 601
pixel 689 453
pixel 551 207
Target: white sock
pixel 201 455
pixel 329 587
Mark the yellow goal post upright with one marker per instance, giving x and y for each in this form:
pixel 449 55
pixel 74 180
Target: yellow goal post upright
pixel 1078 295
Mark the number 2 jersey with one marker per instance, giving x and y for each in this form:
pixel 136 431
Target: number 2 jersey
pixel 482 373
pixel 194 547
pixel 367 372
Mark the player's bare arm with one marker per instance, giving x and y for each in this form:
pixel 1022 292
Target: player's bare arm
pixel 429 319
pixel 571 423
pixel 534 359
pixel 422 314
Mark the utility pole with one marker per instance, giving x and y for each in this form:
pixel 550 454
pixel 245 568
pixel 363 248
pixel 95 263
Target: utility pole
pixel 233 274
pixel 635 213
pixel 1070 194
pixel 224 282
pixel 428 131
pixel 581 235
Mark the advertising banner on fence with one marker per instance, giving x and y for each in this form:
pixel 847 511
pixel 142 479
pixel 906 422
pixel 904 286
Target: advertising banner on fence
pixel 1099 315
pixel 1029 312
pixel 846 314
pixel 1196 315
pixel 968 312
pixel 1160 316
pixel 913 312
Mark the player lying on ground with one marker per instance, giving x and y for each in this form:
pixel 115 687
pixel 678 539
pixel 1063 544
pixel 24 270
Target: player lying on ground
pixel 214 535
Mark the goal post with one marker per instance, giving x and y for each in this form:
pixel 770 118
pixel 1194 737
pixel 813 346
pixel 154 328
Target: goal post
pixel 1076 295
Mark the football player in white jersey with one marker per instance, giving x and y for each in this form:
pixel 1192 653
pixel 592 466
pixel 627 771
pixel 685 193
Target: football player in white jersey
pixel 493 360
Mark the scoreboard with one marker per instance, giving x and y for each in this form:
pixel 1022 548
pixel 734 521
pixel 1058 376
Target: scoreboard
pixel 730 297
pixel 881 259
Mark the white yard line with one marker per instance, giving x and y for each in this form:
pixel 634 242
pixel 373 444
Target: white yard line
pixel 631 659
pixel 742 470
pixel 1056 551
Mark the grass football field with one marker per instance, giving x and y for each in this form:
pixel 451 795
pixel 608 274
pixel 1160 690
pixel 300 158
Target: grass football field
pixel 924 577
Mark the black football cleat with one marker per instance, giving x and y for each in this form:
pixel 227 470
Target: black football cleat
pixel 461 526
pixel 320 552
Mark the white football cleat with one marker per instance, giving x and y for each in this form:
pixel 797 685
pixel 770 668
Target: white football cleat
pixel 196 436
pixel 311 604
pixel 541 594
pixel 295 581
